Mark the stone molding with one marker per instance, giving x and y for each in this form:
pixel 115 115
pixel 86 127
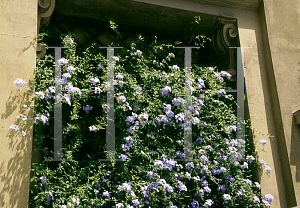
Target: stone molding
pixel 245 4
pixel 224 34
pixel 297 117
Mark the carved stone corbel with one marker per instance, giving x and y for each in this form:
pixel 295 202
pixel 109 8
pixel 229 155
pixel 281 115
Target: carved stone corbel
pixel 224 35
pixel 45 10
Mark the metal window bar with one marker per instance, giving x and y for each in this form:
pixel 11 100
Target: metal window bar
pixel 110 130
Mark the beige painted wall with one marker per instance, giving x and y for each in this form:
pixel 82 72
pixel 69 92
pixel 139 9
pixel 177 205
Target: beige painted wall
pixel 18 25
pixel 283 19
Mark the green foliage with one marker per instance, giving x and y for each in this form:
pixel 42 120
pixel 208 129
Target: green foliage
pixel 143 79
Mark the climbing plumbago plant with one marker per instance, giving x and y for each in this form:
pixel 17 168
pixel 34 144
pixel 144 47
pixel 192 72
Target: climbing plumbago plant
pixel 149 120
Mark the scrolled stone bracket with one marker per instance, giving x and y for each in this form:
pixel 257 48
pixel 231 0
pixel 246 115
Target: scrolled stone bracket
pixel 224 34
pixel 45 10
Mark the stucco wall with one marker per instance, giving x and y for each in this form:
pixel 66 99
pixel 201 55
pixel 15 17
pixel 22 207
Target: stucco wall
pixel 282 24
pixel 18 27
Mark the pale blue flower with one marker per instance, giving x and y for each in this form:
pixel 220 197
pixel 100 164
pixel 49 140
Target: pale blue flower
pixel 226 197
pixel 72 89
pixel 122 98
pixel 208 203
pixel 230 128
pixel 76 201
pixel 119 76
pixel 170 114
pixel 15 127
pixel 131 118
pixel 98 90
pixel 94 81
pixel 181 186
pixel 158 162
pixel 256 199
pixel 221 91
pixel 257 185
pixel 221 187
pixel 208 147
pixel 225 73
pixel 87 108
pixel 215 171
pixel 119 205
pixel 151 174
pixel 248 181
pixel 93 128
pixel 179 117
pixel 100 67
pixel 268 169
pixel 66 75
pixel 268 197
pixel 195 120
pixel 125 186
pixel 250 158
pixel 199 140
pixel 177 101
pixel 96 191
pixel 241 192
pixel 262 162
pixel 71 41
pixel 41 94
pixel 135 202
pixel 63 61
pixel 67 98
pixel 70 68
pixel 166 90
pixel 171 55
pixel 106 194
pixel 123 157
pixel 116 58
pixel 19 83
pixel 190 164
pixel 263 142
pixel 207 189
pixel 220 78
pixel 175 67
pixel 43 118
pixel 201 83
pixel 266 203
pixel 138 52
pixel 43 180
pixel 121 84
pixel 245 165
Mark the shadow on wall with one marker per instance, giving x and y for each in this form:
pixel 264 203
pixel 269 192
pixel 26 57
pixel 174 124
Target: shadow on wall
pixel 295 147
pixel 14 173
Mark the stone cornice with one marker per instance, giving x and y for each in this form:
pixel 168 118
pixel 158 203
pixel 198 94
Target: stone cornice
pixel 240 4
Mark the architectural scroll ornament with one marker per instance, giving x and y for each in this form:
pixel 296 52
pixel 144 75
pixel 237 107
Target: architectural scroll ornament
pixel 45 10
pixel 224 35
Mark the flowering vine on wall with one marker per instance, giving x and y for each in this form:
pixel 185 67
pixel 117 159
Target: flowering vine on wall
pixel 149 138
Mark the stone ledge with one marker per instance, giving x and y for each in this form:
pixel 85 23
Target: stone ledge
pixel 246 4
pixel 297 117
